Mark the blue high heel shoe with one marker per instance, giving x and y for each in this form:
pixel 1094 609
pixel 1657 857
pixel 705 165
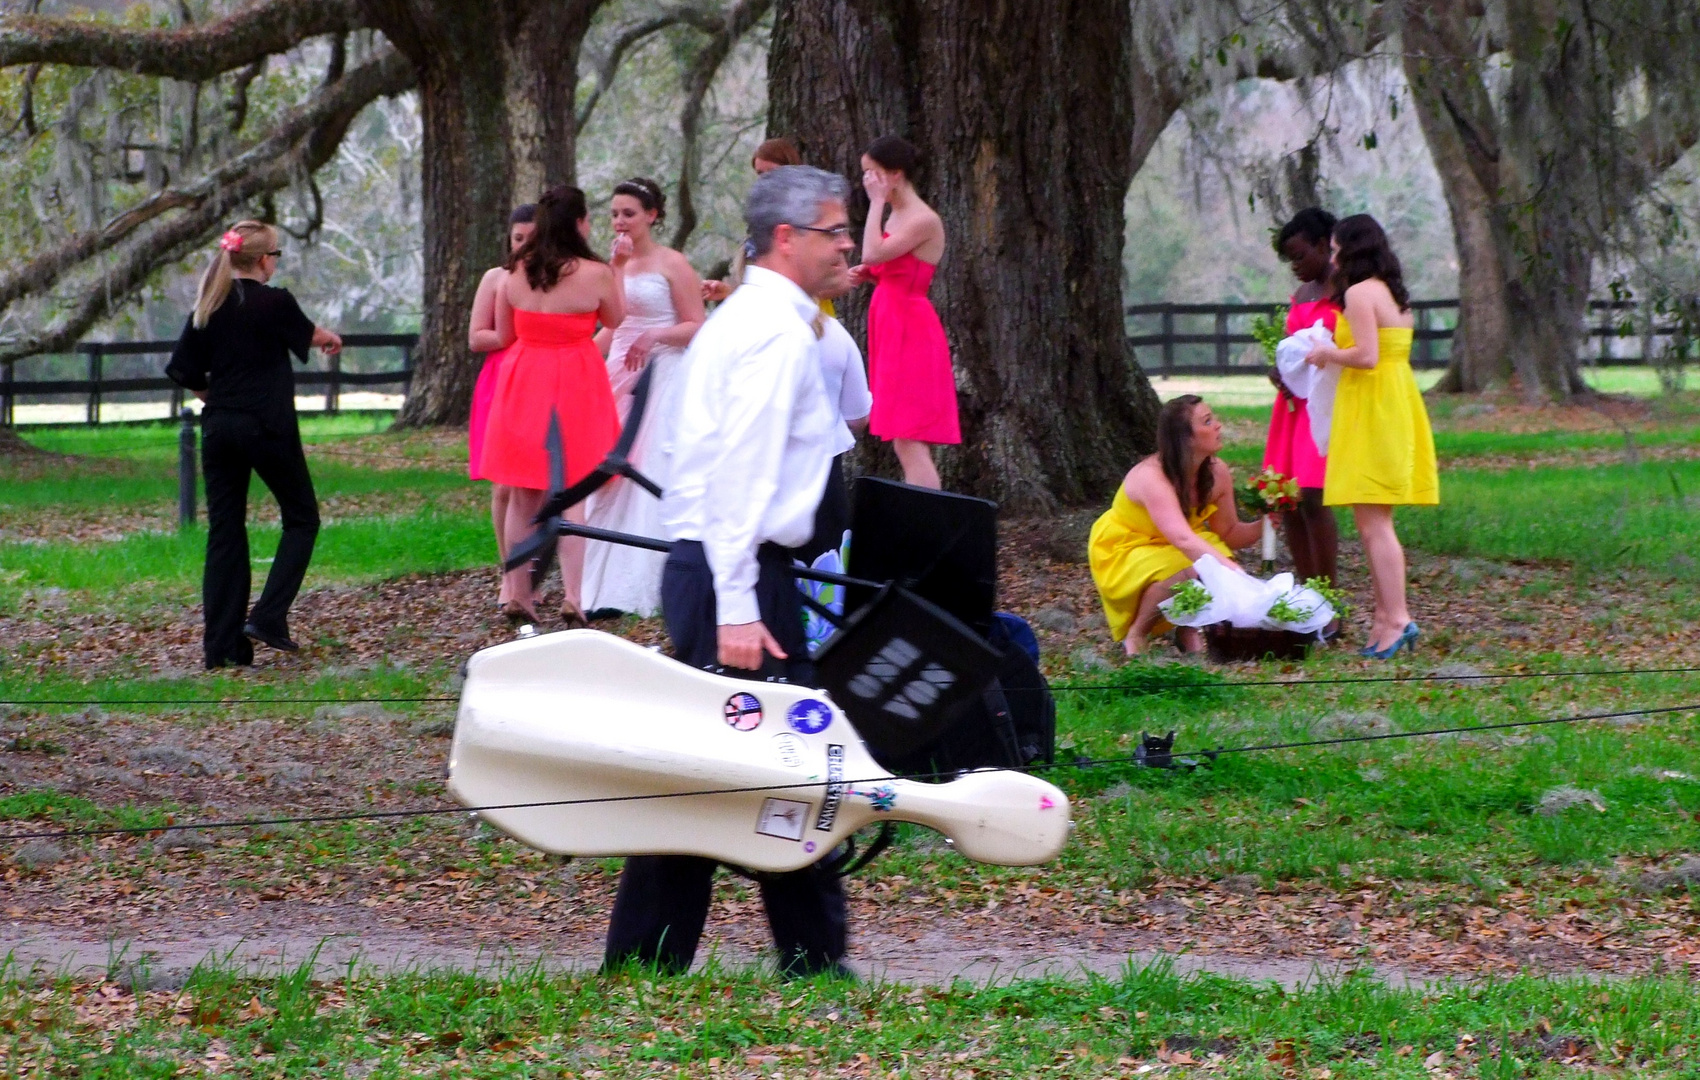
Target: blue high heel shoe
pixel 1406 640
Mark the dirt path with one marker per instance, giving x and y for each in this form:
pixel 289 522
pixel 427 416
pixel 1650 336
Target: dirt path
pixel 164 954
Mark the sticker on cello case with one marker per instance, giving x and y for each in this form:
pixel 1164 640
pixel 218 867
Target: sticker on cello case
pixel 790 749
pixel 743 712
pixel 834 788
pixel 782 818
pixel 809 716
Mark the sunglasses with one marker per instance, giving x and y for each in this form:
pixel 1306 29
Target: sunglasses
pixel 835 231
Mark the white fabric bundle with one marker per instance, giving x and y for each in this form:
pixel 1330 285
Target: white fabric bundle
pixel 1242 600
pixel 1314 384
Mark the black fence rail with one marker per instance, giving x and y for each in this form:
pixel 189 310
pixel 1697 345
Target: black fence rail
pixel 1189 339
pixel 103 385
pixel 1216 339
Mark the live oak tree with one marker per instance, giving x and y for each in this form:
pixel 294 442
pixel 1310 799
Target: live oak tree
pixel 498 88
pixel 1033 120
pixel 1550 123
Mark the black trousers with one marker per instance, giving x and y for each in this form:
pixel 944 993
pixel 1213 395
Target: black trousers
pixel 832 516
pixel 663 900
pixel 234 446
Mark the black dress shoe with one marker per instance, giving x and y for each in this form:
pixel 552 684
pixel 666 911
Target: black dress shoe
pixel 229 661
pixel 281 642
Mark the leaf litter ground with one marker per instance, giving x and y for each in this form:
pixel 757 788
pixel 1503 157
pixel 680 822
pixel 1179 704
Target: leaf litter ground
pixel 439 887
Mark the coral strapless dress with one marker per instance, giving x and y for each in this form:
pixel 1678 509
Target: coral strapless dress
pixel 908 358
pixel 553 366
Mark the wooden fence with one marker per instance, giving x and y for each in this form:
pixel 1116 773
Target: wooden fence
pixel 98 386
pixel 1168 339
pixel 1216 339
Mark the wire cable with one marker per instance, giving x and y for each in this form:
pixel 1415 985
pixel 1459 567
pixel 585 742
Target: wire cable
pixel 1090 763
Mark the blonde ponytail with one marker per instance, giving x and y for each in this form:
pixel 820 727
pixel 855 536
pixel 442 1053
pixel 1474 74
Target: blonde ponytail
pixel 239 250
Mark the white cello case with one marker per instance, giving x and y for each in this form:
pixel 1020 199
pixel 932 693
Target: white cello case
pixel 583 715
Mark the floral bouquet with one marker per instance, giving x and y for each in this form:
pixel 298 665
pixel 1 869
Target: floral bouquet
pixel 1278 492
pixel 1269 492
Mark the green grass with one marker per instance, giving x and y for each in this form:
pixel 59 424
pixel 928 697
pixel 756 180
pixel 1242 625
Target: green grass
pixel 1460 814
pixel 1595 519
pixel 98 440
pixel 132 572
pixel 531 1023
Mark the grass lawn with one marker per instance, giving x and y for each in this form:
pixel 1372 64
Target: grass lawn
pixel 1551 849
pixel 724 1024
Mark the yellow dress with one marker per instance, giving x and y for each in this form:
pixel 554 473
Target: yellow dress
pixel 1380 447
pixel 1129 555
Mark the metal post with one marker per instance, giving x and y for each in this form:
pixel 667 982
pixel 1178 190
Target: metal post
pixel 96 355
pixel 186 470
pixel 333 383
pixel 6 393
pixel 1168 340
pixel 1425 344
pixel 1222 342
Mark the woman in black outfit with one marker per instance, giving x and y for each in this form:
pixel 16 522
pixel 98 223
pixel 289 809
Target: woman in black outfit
pixel 234 355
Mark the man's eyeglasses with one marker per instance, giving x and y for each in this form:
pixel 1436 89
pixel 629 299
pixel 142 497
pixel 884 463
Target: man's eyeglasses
pixel 834 231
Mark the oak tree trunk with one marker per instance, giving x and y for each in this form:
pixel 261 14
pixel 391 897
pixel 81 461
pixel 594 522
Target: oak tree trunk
pixel 1523 189
pixel 496 84
pixel 1027 124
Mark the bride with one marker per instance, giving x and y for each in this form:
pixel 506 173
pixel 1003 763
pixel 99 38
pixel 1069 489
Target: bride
pixel 663 312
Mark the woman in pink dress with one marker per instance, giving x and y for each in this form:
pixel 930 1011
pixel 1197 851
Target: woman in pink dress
pixel 481 337
pixel 1311 533
pixel 548 309
pixel 908 358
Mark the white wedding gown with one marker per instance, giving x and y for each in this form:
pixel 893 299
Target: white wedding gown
pixel 616 576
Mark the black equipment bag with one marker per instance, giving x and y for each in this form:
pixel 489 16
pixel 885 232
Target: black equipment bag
pixel 904 671
pixel 941 546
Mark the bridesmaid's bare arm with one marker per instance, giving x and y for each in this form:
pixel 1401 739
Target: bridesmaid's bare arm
pixel 504 317
pixel 481 333
pixel 611 310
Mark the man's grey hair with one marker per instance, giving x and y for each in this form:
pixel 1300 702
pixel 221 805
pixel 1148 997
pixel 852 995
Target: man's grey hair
pixel 789 195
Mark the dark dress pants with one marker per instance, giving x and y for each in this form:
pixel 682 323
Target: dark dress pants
pixel 235 446
pixel 663 900
pixel 832 516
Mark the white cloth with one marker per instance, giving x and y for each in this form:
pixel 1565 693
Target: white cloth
pixel 616 576
pixel 1316 385
pixel 1242 600
pixel 846 380
pixel 753 438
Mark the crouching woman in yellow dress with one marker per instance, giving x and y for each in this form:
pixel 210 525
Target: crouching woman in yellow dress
pixel 1173 508
pixel 1381 450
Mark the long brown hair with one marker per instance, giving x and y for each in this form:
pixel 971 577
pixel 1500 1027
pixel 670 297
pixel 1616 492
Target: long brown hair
pixel 240 249
pixel 555 248
pixel 1364 254
pixel 1174 447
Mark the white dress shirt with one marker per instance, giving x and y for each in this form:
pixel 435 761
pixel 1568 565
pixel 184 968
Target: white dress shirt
pixel 753 437
pixel 846 381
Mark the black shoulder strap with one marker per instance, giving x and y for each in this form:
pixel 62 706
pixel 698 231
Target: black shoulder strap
pixel 855 862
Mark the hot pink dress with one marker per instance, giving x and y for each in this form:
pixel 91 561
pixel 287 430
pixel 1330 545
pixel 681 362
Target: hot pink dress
pixel 483 392
pixel 908 358
pixel 1290 450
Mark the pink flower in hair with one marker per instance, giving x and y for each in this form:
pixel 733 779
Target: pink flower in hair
pixel 231 241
